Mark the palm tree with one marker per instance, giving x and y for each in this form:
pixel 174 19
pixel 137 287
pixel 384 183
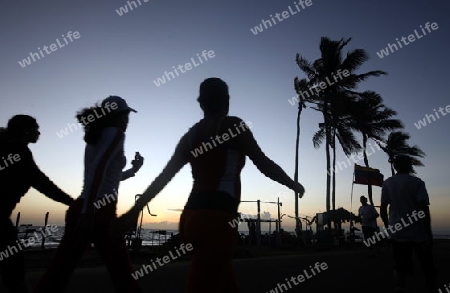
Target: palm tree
pixel 373 119
pixel 396 144
pixel 341 120
pixel 301 105
pixel 341 117
pixel 330 63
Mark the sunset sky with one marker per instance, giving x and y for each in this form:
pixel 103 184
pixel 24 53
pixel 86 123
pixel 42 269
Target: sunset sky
pixel 124 55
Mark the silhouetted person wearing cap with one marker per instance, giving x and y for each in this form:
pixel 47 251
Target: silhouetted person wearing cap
pixel 409 213
pixel 369 216
pixel 19 172
pixel 216 148
pixel 89 217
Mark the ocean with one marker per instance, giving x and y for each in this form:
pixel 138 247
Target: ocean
pixel 150 237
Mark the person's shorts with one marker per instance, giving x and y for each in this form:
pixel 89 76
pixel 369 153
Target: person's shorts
pixel 368 232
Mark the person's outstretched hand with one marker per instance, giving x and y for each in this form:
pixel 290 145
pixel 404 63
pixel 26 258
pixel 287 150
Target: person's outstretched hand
pixel 137 162
pixel 298 188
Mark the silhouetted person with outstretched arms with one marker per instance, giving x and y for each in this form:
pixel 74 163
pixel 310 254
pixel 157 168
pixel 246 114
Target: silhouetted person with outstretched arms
pixel 216 148
pixel 89 218
pixel 409 223
pixel 19 172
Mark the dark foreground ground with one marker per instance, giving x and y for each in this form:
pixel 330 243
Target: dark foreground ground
pixel 349 270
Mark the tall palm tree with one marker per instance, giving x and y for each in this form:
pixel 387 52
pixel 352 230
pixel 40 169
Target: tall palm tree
pixel 396 144
pixel 299 84
pixel 330 63
pixel 373 119
pixel 341 120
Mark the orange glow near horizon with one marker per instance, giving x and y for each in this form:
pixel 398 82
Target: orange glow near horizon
pixel 34 206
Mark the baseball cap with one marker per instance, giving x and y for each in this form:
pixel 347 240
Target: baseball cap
pixel 116 104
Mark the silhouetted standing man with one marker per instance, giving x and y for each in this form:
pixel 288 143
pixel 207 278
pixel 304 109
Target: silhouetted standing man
pixel 369 217
pixel 408 200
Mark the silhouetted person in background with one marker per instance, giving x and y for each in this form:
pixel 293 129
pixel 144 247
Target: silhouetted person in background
pixel 369 216
pixel 408 199
pixel 89 218
pixel 352 231
pixel 216 148
pixel 19 172
pixel 252 232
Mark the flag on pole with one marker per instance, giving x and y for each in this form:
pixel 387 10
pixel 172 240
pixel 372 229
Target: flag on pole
pixel 367 176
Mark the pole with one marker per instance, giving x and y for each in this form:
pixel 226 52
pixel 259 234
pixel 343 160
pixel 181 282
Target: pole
pixel 43 234
pixel 17 221
pixel 279 213
pixel 297 227
pixel 258 225
pixel 351 204
pixel 351 194
pixel 279 223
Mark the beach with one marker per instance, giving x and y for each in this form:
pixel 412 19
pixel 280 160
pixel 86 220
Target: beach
pixel 263 270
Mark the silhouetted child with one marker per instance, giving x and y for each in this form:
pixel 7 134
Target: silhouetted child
pixel 89 217
pixel 19 172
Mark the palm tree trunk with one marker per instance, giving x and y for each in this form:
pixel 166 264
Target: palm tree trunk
pixel 366 162
pixel 297 146
pixel 333 195
pixel 327 151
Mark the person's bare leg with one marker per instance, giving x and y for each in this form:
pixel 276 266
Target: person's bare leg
pixel 20 288
pixel 12 267
pixel 67 256
pixel 115 256
pixel 213 242
pixel 425 255
pixel 230 284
